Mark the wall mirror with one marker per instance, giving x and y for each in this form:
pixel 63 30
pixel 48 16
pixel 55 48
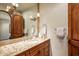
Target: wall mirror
pixel 4 25
pixel 27 10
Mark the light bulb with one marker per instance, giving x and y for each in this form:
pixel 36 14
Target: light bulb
pixel 38 15
pixel 31 17
pixel 15 4
pixel 8 7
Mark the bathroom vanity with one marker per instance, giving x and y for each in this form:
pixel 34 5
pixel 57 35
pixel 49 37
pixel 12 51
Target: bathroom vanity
pixel 25 47
pixel 41 49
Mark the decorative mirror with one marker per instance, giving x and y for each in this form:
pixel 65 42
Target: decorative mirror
pixel 4 25
pixel 30 24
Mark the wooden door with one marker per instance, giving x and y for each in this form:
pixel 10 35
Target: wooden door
pixel 75 21
pixel 73 29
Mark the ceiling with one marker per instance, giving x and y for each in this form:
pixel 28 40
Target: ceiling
pixel 22 6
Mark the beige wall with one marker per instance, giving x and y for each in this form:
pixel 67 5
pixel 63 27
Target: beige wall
pixel 55 15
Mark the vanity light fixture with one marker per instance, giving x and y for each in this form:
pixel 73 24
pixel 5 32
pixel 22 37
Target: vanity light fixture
pixel 37 15
pixel 38 10
pixel 37 20
pixel 7 8
pixel 34 18
pixel 15 4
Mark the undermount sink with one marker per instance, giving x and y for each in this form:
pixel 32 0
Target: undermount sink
pixel 33 40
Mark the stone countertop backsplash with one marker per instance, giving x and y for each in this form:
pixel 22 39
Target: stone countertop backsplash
pixel 19 45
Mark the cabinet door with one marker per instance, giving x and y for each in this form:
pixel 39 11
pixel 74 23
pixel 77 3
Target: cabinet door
pixel 75 21
pixel 17 26
pixel 69 21
pixel 47 48
pixel 69 49
pixel 73 29
pixel 46 51
pixel 37 50
pixel 75 51
pixel 73 47
pixel 35 53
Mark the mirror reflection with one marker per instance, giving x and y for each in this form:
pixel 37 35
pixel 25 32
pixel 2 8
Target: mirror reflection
pixel 17 20
pixel 4 24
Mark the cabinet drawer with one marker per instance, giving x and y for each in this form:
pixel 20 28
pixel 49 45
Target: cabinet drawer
pixel 35 48
pixel 75 51
pixel 35 53
pixel 38 47
pixel 46 43
pixel 21 54
pixel 25 53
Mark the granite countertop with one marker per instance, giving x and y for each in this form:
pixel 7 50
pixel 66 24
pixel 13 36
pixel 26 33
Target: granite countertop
pixel 10 41
pixel 18 45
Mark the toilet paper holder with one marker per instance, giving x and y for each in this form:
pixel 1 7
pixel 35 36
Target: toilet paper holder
pixel 60 32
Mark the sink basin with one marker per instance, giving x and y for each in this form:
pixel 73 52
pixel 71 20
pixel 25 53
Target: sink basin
pixel 31 41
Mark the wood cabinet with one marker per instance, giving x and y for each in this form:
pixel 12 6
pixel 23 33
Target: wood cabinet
pixel 17 26
pixel 42 49
pixel 73 29
pixel 25 53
